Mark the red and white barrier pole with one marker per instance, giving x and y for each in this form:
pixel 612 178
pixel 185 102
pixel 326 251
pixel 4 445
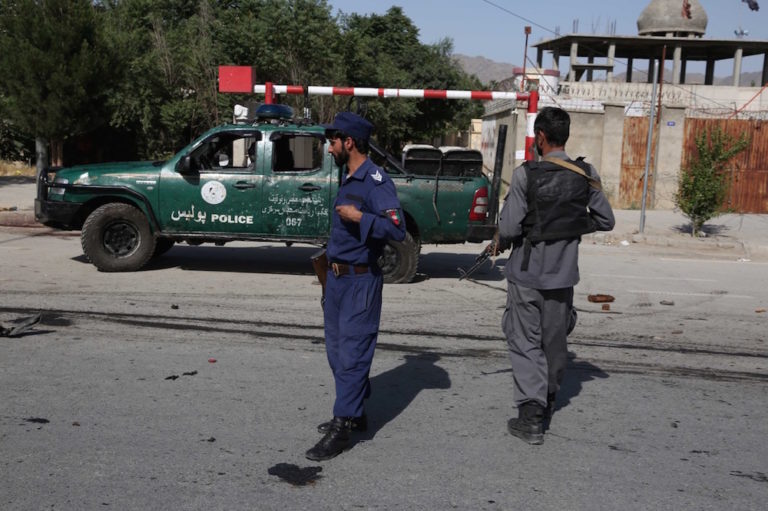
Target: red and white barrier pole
pixel 240 79
pixel 372 92
pixel 530 118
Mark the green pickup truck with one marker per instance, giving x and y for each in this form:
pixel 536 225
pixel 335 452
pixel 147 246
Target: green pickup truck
pixel 271 180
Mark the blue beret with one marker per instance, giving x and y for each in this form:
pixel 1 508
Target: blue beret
pixel 350 124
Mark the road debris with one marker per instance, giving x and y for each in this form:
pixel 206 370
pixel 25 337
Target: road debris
pixel 20 326
pixel 600 298
pixel 666 302
pixel 37 420
pixel 212 360
pixel 295 475
pixel 760 311
pixel 606 306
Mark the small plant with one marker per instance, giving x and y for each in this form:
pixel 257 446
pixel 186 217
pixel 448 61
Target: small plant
pixel 705 183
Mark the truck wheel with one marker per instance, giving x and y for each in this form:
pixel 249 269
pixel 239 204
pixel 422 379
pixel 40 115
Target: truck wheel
pixel 400 260
pixel 117 237
pixel 162 245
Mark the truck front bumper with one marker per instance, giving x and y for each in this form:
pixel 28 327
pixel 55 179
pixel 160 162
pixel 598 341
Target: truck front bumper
pixel 58 214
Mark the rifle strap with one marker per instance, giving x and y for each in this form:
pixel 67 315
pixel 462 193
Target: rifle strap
pixel 594 183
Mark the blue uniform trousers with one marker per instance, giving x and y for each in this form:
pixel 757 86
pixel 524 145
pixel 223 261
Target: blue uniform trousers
pixel 352 312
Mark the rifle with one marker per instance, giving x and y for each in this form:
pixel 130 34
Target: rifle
pixel 320 265
pixel 487 252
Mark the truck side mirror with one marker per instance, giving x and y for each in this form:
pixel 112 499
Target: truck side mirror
pixel 185 165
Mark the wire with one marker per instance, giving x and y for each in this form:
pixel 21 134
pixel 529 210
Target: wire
pixel 519 16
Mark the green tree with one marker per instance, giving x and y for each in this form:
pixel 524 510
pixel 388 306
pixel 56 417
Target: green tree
pixel 385 51
pixel 705 183
pixel 14 145
pixel 166 92
pixel 172 49
pixel 287 42
pixel 54 66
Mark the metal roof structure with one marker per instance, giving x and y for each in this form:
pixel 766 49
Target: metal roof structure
pixel 679 49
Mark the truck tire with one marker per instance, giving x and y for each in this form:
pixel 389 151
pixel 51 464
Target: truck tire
pixel 162 245
pixel 400 260
pixel 117 237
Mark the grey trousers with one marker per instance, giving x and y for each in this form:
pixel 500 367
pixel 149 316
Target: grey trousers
pixel 536 323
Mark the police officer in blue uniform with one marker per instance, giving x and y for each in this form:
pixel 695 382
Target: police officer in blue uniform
pixel 366 215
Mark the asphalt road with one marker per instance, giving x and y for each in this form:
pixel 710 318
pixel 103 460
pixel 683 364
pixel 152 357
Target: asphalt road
pixel 113 402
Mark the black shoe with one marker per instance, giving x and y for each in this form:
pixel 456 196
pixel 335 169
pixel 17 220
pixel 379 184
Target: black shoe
pixel 529 425
pixel 359 424
pixel 335 441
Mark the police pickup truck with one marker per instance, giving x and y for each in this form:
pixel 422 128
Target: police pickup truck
pixel 271 180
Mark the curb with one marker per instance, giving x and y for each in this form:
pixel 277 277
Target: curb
pixel 22 218
pixel 674 240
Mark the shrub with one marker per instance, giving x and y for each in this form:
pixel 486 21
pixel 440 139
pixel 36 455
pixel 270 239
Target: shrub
pixel 705 183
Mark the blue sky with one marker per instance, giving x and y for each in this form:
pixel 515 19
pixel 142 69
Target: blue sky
pixel 486 28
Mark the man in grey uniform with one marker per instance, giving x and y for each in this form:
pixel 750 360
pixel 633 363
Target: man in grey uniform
pixel 550 204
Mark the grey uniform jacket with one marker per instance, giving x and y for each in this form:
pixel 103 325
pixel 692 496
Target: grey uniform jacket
pixel 552 264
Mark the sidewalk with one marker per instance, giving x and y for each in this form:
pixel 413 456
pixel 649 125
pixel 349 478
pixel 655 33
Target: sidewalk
pixel 747 234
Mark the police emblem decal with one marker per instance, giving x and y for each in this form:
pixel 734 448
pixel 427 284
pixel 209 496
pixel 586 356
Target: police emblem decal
pixel 377 176
pixel 213 192
pixel 394 215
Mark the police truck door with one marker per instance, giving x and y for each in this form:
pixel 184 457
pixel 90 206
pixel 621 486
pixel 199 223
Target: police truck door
pixel 296 193
pixel 217 190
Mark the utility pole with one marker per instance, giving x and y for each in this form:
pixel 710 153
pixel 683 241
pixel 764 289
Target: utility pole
pixel 525 56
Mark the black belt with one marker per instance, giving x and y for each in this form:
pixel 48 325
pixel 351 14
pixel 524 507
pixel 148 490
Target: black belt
pixel 347 269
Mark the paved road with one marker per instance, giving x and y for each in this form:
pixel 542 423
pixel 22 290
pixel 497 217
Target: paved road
pixel 664 406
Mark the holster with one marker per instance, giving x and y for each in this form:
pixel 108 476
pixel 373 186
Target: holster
pixel 320 265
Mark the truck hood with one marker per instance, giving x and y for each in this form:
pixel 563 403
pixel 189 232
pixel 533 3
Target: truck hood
pixel 110 173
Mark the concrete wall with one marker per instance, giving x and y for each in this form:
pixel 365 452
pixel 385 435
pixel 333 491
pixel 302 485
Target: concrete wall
pixel 670 154
pixel 598 136
pixel 610 153
pixel 586 138
pixel 699 99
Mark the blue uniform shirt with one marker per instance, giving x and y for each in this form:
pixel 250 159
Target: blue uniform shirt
pixel 372 191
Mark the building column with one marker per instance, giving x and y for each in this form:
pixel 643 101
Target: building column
pixel 765 70
pixel 676 54
pixel 630 63
pixel 683 67
pixel 709 74
pixel 590 60
pixel 574 61
pixel 611 56
pixel 737 66
pixel 651 67
pixel 556 62
pixel 540 58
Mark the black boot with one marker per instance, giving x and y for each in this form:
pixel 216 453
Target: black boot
pixel 334 442
pixel 529 425
pixel 359 424
pixel 549 411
